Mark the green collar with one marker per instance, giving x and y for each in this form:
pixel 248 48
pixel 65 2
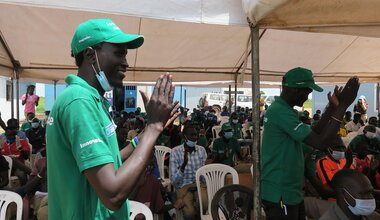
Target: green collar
pixel 73 79
pixel 282 101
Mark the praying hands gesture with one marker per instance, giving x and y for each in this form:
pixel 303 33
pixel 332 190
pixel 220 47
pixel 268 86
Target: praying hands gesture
pixel 346 95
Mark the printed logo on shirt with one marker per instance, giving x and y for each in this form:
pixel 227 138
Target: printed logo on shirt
pixel 110 129
pixel 90 142
pixel 50 120
pixel 265 119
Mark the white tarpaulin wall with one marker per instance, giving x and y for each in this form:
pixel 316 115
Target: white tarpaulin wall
pixel 182 37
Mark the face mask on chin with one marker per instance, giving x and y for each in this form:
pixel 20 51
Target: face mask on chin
pixel 101 76
pixel 370 135
pixel 362 206
pixel 235 121
pixel 337 155
pixel 228 135
pixel 35 124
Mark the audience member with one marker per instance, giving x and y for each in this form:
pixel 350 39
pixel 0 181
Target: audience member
pixel 371 121
pixel 4 169
pixel 185 160
pixel 36 136
pixel 236 126
pixel 13 124
pixel 367 138
pixel 210 122
pixel 225 112
pixel 226 146
pixel 354 198
pixel 347 117
pixel 138 127
pixel 334 161
pixel 28 124
pixel 355 124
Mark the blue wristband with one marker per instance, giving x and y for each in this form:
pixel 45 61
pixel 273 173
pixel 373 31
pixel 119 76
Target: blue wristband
pixel 135 142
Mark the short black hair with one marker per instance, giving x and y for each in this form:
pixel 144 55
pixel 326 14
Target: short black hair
pixel 80 56
pixel 189 126
pixel 344 177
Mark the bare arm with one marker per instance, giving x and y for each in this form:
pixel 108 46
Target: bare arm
pixel 24 101
pixel 2 123
pixel 38 99
pixel 112 186
pixel 345 98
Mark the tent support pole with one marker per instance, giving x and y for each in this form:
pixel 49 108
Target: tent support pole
pixel 256 121
pixel 236 75
pixel 12 98
pixel 185 97
pixel 16 72
pixel 180 96
pixel 229 99
pixel 55 89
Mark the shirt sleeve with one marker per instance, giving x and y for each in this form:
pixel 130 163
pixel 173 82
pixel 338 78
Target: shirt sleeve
pixel 87 134
pixel 290 124
pixel 176 176
pixel 23 97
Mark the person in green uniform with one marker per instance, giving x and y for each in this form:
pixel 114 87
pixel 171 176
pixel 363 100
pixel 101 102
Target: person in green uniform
pixel 89 178
pixel 226 146
pixel 368 138
pixel 282 159
pixel 28 124
pixel 236 126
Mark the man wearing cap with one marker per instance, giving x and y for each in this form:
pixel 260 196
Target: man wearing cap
pixel 88 177
pixel 226 146
pixel 282 160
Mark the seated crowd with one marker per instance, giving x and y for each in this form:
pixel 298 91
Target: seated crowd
pixel 337 176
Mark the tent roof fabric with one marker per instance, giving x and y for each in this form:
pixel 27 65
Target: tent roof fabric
pixel 188 40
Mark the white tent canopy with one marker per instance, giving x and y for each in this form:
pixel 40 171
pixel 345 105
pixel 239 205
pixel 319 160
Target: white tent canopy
pixel 198 40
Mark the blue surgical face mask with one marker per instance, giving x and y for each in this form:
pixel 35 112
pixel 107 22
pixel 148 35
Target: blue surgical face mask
pixel 228 135
pixel 190 143
pixel 101 76
pixel 362 206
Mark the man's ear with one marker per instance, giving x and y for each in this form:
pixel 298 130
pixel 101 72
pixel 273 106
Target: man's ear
pixel 89 55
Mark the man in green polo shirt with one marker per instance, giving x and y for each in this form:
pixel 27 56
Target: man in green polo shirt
pixel 282 159
pixel 88 177
pixel 226 146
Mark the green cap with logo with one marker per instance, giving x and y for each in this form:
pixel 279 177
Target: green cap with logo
pixel 301 78
pixel 96 31
pixel 226 126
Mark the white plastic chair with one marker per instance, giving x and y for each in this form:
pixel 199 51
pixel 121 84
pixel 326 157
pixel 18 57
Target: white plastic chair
pixel 139 208
pixel 10 164
pixel 214 174
pixel 7 197
pixel 160 153
pixel 215 132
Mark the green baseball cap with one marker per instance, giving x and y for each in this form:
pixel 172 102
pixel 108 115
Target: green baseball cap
pixel 226 126
pixel 301 78
pixel 96 31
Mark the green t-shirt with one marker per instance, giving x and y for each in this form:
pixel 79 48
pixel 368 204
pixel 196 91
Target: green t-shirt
pixel 225 151
pixel 282 160
pixel 372 144
pixel 25 126
pixel 80 135
pixel 237 130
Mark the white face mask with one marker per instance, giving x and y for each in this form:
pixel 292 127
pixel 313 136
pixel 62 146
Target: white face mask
pixel 228 135
pixel 370 135
pixel 137 129
pixel 337 155
pixel 101 76
pixel 35 124
pixel 235 121
pixel 362 206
